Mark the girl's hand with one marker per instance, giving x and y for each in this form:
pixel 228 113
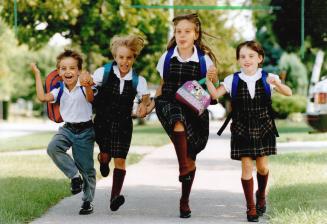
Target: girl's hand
pixel 212 74
pixel 273 81
pixel 141 110
pixel 86 79
pixel 151 106
pixel 35 69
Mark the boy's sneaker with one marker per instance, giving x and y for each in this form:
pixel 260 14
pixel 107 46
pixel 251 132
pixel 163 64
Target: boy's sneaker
pixel 86 208
pixel 76 185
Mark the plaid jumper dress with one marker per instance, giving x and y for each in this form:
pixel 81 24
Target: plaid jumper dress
pixel 113 122
pixel 169 110
pixel 252 128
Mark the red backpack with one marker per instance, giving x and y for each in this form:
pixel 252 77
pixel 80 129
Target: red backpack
pixel 54 81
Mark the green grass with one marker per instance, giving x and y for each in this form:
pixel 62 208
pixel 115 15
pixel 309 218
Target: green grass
pixel 30 184
pixel 151 134
pixel 298 188
pixel 297 131
pixel 33 141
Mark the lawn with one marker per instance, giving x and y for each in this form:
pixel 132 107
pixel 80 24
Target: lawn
pixel 30 184
pixel 298 188
pixel 151 134
pixel 297 131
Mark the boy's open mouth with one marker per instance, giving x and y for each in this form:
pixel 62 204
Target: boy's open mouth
pixel 69 77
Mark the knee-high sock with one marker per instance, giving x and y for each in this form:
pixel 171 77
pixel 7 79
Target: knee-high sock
pixel 180 143
pixel 262 184
pixel 248 193
pixel 186 190
pixel 117 182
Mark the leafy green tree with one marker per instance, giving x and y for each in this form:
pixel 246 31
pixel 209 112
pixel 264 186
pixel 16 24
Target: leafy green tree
pixel 90 25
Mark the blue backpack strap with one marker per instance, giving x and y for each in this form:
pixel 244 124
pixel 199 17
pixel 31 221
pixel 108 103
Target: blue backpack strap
pixel 236 78
pixel 107 69
pixel 83 91
pixel 266 86
pixel 167 61
pixel 202 61
pixel 61 90
pixel 135 80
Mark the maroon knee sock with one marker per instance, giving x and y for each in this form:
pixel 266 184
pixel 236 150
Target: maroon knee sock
pixel 180 143
pixel 117 182
pixel 248 193
pixel 186 190
pixel 262 184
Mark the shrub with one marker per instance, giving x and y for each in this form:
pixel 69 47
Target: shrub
pixel 285 105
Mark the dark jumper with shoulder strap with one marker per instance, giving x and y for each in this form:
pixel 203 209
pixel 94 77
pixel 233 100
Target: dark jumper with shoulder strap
pixel 235 107
pixel 101 99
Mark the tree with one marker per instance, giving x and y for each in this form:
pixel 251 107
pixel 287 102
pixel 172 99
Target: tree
pixel 90 25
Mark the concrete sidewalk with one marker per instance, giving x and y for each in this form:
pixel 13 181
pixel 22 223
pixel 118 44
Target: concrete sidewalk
pixel 152 191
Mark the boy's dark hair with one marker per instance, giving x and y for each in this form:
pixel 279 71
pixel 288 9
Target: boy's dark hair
pixel 70 54
pixel 253 45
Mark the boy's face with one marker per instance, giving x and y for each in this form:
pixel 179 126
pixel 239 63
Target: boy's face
pixel 249 60
pixel 185 34
pixel 125 59
pixel 68 70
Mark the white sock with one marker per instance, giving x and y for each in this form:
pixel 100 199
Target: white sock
pixel 76 175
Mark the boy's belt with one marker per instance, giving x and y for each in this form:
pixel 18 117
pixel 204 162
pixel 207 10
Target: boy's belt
pixel 79 126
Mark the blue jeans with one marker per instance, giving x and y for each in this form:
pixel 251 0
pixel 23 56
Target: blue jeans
pixel 82 150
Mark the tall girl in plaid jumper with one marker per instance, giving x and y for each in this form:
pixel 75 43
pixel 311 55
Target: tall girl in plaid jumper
pixel 253 128
pixel 113 104
pixel 188 131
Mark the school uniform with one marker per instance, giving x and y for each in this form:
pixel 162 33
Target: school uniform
pixel 252 128
pixel 169 110
pixel 114 104
pixel 78 133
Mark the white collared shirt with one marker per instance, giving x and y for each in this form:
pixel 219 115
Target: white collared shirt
pixel 194 57
pixel 142 87
pixel 74 107
pixel 249 80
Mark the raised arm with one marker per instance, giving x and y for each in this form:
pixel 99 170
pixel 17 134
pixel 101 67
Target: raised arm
pixel 39 87
pixel 279 86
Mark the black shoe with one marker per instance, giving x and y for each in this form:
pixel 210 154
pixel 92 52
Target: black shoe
pixel 260 210
pixel 86 208
pixel 76 185
pixel 185 214
pixel 104 165
pixel 253 218
pixel 116 202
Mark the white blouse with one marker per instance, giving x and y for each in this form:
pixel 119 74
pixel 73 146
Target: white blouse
pixel 142 87
pixel 194 58
pixel 249 80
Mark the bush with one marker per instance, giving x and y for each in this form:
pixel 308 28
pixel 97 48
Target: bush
pixel 285 105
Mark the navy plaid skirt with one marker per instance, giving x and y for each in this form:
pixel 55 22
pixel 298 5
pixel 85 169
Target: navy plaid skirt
pixel 114 137
pixel 197 127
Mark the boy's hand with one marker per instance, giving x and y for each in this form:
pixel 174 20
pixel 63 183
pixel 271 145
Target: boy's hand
pixel 35 69
pixel 212 74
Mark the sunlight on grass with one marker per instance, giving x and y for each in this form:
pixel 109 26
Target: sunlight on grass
pixel 298 188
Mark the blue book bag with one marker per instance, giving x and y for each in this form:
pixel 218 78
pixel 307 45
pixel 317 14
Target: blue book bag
pixel 266 87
